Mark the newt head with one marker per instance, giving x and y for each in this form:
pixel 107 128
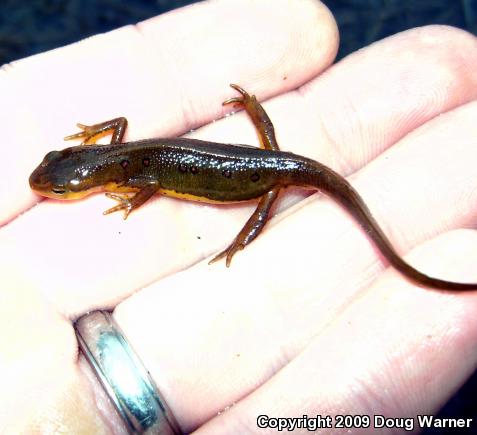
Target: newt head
pixel 67 174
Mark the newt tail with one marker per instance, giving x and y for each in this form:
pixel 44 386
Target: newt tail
pixel 337 187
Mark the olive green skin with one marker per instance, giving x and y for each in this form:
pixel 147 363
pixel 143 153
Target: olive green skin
pixel 200 170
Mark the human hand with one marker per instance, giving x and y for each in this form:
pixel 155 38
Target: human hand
pixel 308 319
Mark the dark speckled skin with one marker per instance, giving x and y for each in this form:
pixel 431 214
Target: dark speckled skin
pixel 212 171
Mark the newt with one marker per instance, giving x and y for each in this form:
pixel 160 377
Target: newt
pixel 206 171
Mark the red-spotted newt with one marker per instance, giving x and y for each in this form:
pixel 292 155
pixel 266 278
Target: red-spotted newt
pixel 205 171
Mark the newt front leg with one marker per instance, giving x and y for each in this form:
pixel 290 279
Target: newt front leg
pixel 129 203
pixel 91 133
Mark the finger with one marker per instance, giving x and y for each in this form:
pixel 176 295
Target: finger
pixel 369 100
pixel 397 351
pixel 167 75
pixel 388 96
pixel 294 281
pixel 41 385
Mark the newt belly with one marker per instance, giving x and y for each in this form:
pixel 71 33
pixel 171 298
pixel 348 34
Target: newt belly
pixel 205 171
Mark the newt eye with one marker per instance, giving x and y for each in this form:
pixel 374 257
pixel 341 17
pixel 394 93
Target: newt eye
pixel 52 155
pixel 58 190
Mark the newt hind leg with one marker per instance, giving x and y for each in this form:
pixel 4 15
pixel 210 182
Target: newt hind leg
pixel 251 229
pixel 91 133
pixel 260 119
pixel 266 134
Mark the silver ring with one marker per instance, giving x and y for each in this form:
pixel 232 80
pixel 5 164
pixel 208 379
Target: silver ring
pixel 123 377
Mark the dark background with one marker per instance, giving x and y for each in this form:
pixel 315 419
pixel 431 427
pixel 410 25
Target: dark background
pixel 31 27
pixel 28 27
